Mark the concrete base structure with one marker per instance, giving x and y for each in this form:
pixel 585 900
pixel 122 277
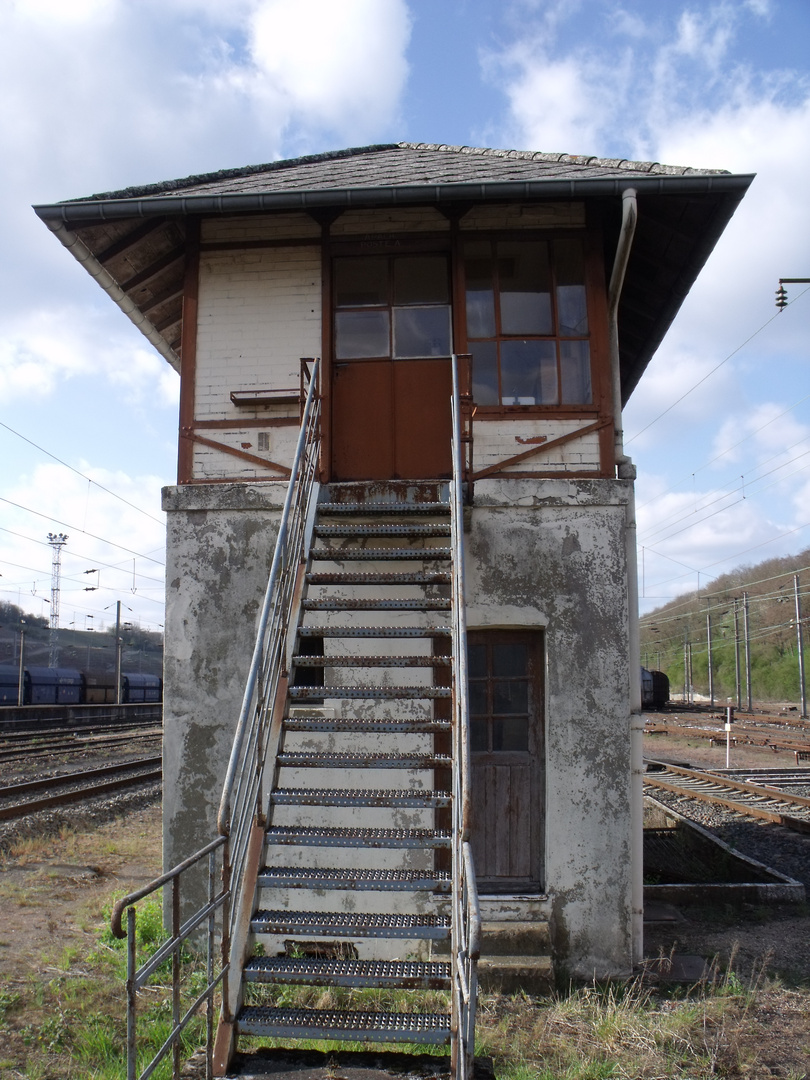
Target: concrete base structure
pixel 544 555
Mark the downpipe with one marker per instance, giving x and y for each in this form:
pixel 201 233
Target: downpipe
pixel 625 470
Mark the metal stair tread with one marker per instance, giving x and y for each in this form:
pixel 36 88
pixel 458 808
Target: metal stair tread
pixel 404 974
pixel 375 631
pixel 331 836
pixel 425 660
pixel 356 603
pixel 350 531
pixel 304 877
pixel 356 924
pixel 321 759
pixel 304 693
pixel 349 577
pixel 359 797
pixel 359 724
pixel 369 509
pixel 427 1028
pixel 420 554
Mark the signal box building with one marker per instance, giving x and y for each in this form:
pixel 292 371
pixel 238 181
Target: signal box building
pixel 558 275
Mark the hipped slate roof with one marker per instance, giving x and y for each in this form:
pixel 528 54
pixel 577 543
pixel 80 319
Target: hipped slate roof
pixel 133 241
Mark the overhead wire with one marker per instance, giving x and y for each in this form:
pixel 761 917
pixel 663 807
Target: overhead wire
pixel 709 374
pixel 75 528
pixel 84 476
pixel 711 461
pixel 748 487
pixel 119 568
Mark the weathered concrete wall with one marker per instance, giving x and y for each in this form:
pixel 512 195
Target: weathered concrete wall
pixel 551 554
pixel 220 541
pixel 544 554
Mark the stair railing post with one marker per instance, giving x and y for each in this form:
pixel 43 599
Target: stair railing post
pixel 132 997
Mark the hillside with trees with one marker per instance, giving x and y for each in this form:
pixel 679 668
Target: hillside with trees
pixel 678 631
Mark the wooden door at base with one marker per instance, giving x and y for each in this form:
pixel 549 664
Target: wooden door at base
pixel 506 707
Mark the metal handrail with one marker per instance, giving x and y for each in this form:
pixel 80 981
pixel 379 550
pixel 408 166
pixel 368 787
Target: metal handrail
pixel 466 921
pixel 180 934
pixel 258 729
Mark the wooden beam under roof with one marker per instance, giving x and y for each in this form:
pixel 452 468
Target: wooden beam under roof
pixel 153 269
pixel 130 239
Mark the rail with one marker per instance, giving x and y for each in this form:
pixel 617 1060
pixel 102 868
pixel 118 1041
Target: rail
pixel 466 920
pixel 241 812
pixel 750 799
pixel 138 977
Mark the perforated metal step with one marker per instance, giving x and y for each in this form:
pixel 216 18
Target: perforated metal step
pixel 372 661
pixel 425 1028
pixel 370 509
pixel 361 724
pixel 356 603
pixel 351 924
pixel 359 797
pixel 340 760
pixel 294 877
pixel 380 693
pixel 356 531
pixel 402 974
pixel 327 554
pixel 418 577
pixel 392 839
pixel 375 631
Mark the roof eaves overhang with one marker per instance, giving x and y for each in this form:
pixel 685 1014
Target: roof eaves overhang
pixel 725 190
pixel 89 211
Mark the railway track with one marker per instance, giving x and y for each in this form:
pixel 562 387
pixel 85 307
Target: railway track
pixel 750 799
pixel 760 735
pixel 36 746
pixel 75 786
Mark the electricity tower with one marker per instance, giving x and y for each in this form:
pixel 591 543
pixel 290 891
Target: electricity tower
pixel 57 542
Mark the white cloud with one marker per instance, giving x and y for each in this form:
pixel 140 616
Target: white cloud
pixel 48 345
pixel 336 65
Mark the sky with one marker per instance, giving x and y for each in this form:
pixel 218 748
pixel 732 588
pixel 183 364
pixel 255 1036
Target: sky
pixel 97 95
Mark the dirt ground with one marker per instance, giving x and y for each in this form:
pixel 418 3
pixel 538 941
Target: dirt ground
pixel 53 889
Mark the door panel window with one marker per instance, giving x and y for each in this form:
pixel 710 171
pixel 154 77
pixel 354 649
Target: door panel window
pixel 393 307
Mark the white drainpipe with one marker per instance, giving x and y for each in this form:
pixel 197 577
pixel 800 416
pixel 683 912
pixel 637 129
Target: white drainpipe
pixel 626 471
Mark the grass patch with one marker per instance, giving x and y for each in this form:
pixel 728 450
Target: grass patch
pixel 73 1024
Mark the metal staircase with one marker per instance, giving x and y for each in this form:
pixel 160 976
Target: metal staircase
pixel 346 808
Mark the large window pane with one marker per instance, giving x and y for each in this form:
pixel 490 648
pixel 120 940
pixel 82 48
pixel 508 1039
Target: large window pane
pixel 524 280
pixel 572 311
pixel 421 331
pixel 361 282
pixel 421 279
pixel 361 334
pixel 480 290
pixel 485 372
pixel 575 372
pixel 529 373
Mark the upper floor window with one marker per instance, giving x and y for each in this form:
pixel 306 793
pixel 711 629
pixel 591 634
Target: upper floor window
pixel 392 306
pixel 527 322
